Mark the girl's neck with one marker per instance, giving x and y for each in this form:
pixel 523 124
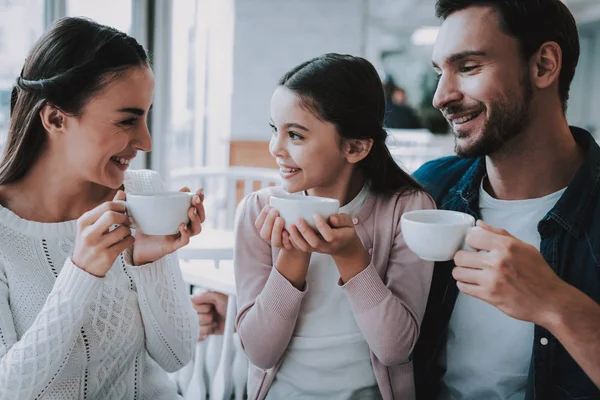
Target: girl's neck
pixel 345 190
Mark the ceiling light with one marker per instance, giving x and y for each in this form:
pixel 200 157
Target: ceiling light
pixel 425 36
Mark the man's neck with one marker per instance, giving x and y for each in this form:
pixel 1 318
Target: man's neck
pixel 48 193
pixel 541 160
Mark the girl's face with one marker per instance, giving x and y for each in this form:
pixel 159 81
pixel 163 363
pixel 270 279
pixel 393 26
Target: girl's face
pixel 310 152
pixel 102 140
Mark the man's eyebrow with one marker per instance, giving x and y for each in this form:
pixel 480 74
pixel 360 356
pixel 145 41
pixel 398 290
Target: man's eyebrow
pixel 456 57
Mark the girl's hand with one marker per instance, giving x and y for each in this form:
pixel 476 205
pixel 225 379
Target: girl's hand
pixel 335 239
pixel 271 228
pixel 338 239
pixel 96 246
pixel 150 248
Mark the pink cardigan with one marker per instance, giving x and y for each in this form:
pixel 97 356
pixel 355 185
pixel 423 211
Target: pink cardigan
pixel 388 298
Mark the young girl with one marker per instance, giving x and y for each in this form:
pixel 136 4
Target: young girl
pixel 86 311
pixel 332 314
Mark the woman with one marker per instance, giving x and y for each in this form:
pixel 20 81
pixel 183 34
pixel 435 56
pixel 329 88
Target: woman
pixel 87 310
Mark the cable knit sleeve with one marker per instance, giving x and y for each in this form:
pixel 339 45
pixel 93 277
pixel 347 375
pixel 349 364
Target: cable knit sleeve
pixel 28 367
pixel 170 322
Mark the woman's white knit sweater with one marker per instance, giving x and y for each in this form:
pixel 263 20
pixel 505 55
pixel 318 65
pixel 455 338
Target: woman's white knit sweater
pixel 65 334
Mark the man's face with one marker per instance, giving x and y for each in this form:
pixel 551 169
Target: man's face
pixel 484 89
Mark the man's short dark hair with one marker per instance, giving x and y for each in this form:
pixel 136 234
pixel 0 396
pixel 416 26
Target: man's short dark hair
pixel 532 23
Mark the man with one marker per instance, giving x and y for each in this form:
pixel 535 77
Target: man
pixel 519 319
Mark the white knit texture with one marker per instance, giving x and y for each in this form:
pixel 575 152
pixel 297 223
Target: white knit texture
pixel 65 334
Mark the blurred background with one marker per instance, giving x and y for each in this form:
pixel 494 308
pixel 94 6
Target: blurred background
pixel 218 61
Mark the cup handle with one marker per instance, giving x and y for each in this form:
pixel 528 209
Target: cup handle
pixel 124 202
pixel 465 246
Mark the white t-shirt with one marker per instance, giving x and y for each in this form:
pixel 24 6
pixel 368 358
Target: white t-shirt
pixel 487 353
pixel 328 356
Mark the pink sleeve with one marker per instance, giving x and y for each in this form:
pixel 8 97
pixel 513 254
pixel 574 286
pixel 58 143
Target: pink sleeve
pixel 268 303
pixel 389 311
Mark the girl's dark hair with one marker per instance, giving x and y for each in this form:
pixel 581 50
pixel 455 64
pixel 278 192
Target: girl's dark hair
pixel 68 65
pixel 347 92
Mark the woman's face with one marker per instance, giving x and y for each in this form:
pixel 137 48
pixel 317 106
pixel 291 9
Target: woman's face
pixel 110 130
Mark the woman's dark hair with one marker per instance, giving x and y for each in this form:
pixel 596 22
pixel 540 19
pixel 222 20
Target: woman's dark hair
pixel 347 92
pixel 68 65
pixel 532 23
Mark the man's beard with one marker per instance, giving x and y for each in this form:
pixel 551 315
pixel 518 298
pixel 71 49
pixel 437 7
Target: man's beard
pixel 506 120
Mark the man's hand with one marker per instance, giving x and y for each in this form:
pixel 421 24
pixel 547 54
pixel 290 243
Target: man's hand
pixel 509 274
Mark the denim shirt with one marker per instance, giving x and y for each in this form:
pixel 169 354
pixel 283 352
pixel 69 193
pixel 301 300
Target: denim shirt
pixel 570 244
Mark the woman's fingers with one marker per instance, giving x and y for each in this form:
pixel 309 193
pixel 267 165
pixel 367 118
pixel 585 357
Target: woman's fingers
pixel 120 247
pixel 195 225
pixel 115 236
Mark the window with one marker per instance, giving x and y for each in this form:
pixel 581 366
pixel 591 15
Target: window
pixel 115 13
pixel 21 23
pixel 180 140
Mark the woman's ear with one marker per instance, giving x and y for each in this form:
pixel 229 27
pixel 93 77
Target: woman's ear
pixel 53 119
pixel 357 149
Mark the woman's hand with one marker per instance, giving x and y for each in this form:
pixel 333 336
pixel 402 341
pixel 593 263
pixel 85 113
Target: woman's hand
pixel 96 245
pixel 150 248
pixel 212 310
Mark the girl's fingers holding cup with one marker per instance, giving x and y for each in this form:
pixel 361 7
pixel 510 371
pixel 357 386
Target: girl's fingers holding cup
pixel 267 226
pixel 277 232
pixel 309 235
pixel 260 220
pixel 324 228
pixel 285 241
pixel 297 239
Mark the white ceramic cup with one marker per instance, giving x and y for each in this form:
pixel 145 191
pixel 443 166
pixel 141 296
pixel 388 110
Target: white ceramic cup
pixel 158 213
pixel 436 235
pixel 292 207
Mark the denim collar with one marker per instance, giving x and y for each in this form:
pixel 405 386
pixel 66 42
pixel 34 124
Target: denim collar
pixel 572 209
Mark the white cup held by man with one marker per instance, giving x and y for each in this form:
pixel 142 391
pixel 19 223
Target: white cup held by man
pixel 159 213
pixel 293 207
pixel 436 235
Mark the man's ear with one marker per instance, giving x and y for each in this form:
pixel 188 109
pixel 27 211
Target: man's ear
pixel 53 119
pixel 357 149
pixel 546 65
